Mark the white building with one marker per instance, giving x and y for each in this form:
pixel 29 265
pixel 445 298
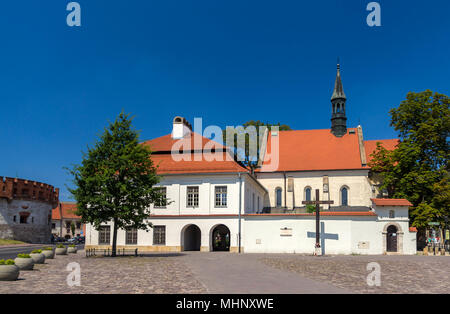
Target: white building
pixel 211 200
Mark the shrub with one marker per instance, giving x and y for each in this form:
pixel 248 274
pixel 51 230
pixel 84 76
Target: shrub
pixel 72 245
pixel 48 248
pixel 23 255
pixel 36 251
pixel 60 246
pixel 7 262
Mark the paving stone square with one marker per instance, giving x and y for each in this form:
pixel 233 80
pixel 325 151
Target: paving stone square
pixel 158 273
pixel 226 273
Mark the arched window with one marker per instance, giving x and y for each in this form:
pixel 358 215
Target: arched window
pixel 307 193
pixel 344 196
pixel 278 195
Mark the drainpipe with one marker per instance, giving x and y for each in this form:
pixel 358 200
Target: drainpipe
pixel 285 194
pixel 240 201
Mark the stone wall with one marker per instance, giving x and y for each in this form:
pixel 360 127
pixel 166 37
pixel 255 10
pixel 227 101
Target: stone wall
pixel 33 201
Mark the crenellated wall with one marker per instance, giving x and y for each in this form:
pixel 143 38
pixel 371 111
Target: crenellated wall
pixel 26 209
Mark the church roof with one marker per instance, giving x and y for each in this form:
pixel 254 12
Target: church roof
pixel 372 145
pixel 316 150
pixel 194 158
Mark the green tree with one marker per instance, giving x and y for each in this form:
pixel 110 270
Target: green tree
pixel 418 168
pixel 248 156
pixel 115 180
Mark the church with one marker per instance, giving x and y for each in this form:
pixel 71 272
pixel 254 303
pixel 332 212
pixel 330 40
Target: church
pixel 217 204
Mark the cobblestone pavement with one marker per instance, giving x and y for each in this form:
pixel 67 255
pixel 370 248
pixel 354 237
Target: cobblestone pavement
pixel 399 274
pixel 198 272
pixel 156 273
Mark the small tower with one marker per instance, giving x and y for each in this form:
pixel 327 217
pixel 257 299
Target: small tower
pixel 338 118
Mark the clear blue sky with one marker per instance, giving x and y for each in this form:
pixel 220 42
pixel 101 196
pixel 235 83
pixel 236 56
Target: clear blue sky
pixel 225 61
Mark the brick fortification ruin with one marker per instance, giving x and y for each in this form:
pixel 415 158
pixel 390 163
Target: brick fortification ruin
pixel 26 210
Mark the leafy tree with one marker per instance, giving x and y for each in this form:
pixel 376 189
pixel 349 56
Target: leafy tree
pixel 248 156
pixel 418 168
pixel 115 180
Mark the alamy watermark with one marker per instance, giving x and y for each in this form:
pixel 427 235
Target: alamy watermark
pixel 374 277
pixel 74 277
pixel 374 17
pixel 74 17
pixel 241 143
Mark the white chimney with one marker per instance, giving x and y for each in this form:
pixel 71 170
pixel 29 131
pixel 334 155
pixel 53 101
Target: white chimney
pixel 181 128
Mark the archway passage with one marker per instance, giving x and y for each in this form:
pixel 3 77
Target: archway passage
pixel 221 238
pixel 391 245
pixel 192 238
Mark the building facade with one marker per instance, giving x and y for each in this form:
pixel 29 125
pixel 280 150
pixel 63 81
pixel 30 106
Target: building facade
pixel 65 223
pixel 26 209
pixel 218 204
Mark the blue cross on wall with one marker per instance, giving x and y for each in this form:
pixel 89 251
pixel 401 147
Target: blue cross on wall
pixel 323 236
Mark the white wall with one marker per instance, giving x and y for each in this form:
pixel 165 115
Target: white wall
pixel 360 190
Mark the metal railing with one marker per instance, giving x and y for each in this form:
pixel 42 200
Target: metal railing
pixel 108 252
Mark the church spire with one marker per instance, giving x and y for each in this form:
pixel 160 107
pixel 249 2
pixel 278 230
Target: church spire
pixel 338 88
pixel 338 99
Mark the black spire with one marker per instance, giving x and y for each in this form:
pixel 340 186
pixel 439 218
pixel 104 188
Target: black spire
pixel 338 118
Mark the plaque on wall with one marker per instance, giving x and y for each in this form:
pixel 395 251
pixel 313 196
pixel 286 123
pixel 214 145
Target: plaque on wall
pixel 286 232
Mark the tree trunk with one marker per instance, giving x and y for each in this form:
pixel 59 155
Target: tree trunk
pixel 114 243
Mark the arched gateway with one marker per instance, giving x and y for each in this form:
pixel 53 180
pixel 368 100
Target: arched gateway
pixel 220 238
pixel 191 238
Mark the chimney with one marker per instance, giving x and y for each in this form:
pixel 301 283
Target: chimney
pixel 181 128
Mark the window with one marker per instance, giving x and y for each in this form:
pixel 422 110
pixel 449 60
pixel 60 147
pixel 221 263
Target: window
pixel 162 203
pixel 307 193
pixel 257 208
pixel 391 214
pixel 14 218
pixel 159 235
pixel 192 196
pixel 278 197
pixel 344 196
pixel 53 226
pixel 131 236
pixel 104 235
pixel 253 201
pixel 221 196
pixel 78 225
pixel 24 218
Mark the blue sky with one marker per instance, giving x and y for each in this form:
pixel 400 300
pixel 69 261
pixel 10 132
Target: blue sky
pixel 225 61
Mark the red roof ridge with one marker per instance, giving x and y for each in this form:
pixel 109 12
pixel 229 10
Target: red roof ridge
pixel 391 202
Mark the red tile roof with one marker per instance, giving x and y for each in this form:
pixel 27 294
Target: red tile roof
pixel 316 150
pixel 412 229
pixel 371 145
pixel 391 202
pixel 195 141
pixel 195 161
pixel 67 210
pixel 168 165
